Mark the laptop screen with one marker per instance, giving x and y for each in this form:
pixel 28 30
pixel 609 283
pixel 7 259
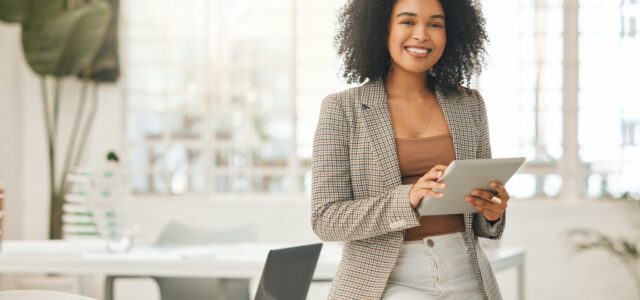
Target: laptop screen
pixel 288 272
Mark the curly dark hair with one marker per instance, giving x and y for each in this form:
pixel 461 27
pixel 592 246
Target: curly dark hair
pixel 363 32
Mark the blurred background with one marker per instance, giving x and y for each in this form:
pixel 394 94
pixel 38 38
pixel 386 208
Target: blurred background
pixel 211 107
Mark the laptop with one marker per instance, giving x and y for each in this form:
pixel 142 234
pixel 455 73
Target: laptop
pixel 288 272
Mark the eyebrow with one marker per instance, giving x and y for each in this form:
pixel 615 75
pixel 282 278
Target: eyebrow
pixel 415 15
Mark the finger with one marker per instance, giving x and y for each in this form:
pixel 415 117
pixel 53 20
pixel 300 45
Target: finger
pixel 484 204
pixel 439 167
pixel 498 187
pixel 502 191
pixel 436 171
pixel 432 193
pixel 429 193
pixel 476 204
pixel 482 194
pixel 435 185
pixel 432 174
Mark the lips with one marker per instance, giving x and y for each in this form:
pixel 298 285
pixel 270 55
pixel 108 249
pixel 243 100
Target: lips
pixel 418 51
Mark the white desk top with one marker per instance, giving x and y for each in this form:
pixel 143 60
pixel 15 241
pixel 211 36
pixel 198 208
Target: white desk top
pixel 244 260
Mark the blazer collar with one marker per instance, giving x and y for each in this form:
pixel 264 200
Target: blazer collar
pixel 375 95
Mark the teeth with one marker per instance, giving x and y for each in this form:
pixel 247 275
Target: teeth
pixel 417 50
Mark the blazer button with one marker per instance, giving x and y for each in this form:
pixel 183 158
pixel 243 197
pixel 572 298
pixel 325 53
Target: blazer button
pixel 430 243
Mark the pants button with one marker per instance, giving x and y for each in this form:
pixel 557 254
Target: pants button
pixel 430 243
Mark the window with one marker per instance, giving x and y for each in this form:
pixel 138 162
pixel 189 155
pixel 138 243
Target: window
pixel 223 96
pixel 522 88
pixel 609 114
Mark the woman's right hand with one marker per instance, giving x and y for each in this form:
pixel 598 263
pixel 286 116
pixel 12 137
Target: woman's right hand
pixel 425 185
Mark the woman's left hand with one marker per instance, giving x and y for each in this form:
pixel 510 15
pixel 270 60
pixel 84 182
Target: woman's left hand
pixel 480 200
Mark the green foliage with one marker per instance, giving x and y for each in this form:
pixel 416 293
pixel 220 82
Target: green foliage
pixel 36 11
pixel 589 239
pixel 67 43
pixel 625 250
pixel 59 39
pixel 106 64
pixel 13 11
pixel 112 156
pixel 62 38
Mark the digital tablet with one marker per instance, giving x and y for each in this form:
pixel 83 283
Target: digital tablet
pixel 464 176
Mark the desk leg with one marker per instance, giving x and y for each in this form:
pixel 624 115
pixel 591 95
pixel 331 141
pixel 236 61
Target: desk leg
pixel 79 285
pixel 109 281
pixel 521 282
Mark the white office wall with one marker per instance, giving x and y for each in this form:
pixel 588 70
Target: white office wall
pixel 23 149
pixel 10 143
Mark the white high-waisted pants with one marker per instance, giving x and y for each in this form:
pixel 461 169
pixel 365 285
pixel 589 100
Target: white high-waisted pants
pixel 437 267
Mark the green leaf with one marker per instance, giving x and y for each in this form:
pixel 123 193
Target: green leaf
pixel 67 43
pixel 34 11
pixel 13 11
pixel 630 249
pixel 106 64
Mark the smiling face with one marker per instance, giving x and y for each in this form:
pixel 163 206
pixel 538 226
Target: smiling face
pixel 417 35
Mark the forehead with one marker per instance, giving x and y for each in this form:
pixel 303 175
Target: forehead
pixel 421 8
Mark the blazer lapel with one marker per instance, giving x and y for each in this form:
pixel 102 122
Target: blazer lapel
pixel 378 123
pixel 461 126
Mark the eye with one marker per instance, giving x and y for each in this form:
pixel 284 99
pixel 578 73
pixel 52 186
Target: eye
pixel 406 22
pixel 436 25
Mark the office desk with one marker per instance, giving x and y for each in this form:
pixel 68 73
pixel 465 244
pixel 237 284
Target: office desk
pixel 244 260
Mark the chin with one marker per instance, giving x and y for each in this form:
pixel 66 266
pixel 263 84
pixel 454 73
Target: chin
pixel 417 70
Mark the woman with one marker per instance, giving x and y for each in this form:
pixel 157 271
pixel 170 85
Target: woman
pixel 379 148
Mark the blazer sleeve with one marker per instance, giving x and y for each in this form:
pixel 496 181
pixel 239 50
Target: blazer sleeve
pixel 481 225
pixel 335 214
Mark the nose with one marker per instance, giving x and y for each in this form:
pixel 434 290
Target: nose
pixel 421 35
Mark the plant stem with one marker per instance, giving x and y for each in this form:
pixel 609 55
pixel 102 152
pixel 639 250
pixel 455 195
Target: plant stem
pixel 56 107
pixel 74 136
pixel 89 124
pixel 50 141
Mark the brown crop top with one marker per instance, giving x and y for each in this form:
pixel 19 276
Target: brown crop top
pixel 416 157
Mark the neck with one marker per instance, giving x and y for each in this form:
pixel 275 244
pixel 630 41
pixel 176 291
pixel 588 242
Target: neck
pixel 403 84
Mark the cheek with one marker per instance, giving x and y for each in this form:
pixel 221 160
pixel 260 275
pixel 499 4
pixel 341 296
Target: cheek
pixel 441 39
pixel 393 41
pixel 394 45
pixel 441 42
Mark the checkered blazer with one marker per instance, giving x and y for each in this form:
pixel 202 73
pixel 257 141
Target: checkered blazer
pixel 358 196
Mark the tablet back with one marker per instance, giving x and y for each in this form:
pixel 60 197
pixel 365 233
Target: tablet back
pixel 462 177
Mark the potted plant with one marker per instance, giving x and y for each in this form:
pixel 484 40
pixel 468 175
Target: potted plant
pixel 63 38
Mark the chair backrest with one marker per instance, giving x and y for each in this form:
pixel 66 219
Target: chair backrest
pixel 40 295
pixel 288 272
